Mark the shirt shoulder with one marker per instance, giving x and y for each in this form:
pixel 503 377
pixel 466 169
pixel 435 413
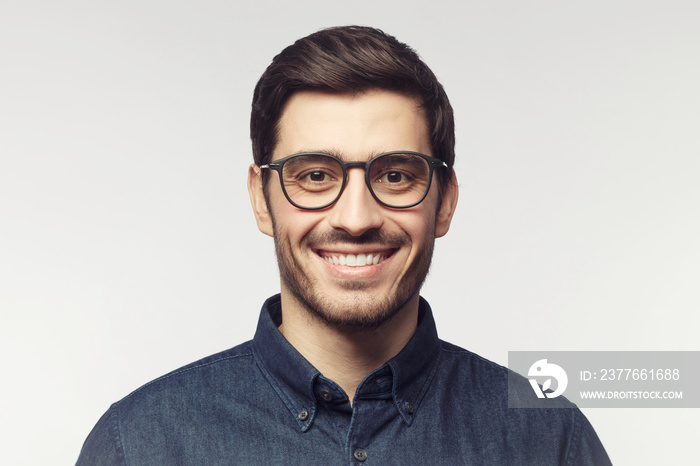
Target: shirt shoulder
pixel 559 431
pixel 224 363
pixel 476 368
pixel 140 423
pixel 231 372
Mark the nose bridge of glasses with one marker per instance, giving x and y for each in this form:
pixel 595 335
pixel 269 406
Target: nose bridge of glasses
pixel 356 164
pixel 348 165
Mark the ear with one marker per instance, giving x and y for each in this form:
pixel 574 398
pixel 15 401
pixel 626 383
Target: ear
pixel 257 200
pixel 450 194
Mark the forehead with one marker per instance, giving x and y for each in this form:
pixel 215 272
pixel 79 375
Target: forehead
pixel 353 126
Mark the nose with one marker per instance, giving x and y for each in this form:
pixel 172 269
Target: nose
pixel 356 211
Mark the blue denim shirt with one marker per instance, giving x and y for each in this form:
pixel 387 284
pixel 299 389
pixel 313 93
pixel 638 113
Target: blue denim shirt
pixel 263 403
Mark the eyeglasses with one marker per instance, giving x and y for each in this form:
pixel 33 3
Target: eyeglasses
pixel 314 181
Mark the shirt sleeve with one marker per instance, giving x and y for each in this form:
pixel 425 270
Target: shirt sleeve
pixel 588 449
pixel 103 446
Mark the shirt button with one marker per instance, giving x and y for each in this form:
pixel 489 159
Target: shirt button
pixel 303 415
pixel 326 395
pixel 360 455
pixel 409 407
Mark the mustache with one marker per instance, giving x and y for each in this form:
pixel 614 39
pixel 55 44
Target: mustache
pixel 368 237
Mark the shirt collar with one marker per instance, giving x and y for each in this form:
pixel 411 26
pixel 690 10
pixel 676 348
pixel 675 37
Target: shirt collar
pixel 407 375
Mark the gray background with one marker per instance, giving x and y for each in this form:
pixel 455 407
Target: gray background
pixel 127 245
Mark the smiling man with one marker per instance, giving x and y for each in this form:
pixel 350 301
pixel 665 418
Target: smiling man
pixel 353 141
pixel 353 243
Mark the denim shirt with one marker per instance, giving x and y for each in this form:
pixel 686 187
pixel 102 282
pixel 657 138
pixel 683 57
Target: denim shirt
pixel 263 403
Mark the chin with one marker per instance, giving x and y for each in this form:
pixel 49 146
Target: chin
pixel 354 311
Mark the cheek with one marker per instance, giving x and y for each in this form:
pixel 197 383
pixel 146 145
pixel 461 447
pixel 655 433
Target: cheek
pixel 423 232
pixel 419 222
pixel 291 225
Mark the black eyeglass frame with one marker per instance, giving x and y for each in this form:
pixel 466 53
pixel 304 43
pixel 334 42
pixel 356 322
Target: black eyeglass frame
pixel 432 164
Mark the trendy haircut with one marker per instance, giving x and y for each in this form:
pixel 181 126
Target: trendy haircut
pixel 350 59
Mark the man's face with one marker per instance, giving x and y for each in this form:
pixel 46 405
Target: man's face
pixel 355 228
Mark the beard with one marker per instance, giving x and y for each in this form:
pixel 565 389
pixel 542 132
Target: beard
pixel 357 311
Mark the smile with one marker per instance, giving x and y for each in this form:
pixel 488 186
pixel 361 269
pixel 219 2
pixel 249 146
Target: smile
pixel 354 260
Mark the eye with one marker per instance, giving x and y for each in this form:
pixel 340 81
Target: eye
pixel 316 180
pixel 318 176
pixel 393 177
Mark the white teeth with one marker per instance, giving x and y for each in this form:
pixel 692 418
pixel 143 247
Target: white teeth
pixel 352 260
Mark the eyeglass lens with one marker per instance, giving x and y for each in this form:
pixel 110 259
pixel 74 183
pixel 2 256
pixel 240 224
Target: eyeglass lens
pixel 315 180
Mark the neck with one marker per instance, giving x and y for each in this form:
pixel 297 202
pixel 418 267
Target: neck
pixel 342 355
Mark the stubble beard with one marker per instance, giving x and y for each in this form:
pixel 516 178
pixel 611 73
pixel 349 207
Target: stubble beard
pixel 357 312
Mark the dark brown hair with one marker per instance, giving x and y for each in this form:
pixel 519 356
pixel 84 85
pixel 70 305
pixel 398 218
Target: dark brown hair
pixel 350 59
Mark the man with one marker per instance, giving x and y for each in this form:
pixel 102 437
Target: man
pixel 353 141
